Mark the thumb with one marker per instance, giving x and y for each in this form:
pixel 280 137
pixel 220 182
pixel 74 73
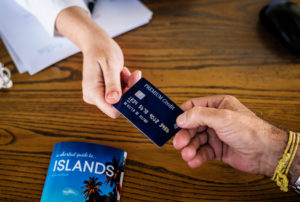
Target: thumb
pixel 112 82
pixel 204 116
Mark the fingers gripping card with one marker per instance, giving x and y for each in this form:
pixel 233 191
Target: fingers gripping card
pixel 150 111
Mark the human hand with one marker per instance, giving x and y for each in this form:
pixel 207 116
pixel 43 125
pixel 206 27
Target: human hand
pixel 222 128
pixel 104 76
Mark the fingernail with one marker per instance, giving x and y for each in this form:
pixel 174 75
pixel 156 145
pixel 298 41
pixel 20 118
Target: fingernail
pixel 174 142
pixel 113 95
pixel 139 74
pixel 181 119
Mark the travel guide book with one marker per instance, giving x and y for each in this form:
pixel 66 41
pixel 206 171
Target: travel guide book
pixel 80 171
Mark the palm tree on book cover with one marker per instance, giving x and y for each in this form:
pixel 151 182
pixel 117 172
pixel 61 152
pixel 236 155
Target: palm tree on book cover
pixel 116 178
pixel 92 191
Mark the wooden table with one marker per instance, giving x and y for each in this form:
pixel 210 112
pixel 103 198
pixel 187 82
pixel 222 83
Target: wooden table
pixel 189 49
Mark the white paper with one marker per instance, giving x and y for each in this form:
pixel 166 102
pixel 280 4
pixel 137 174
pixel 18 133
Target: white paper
pixel 119 16
pixel 33 49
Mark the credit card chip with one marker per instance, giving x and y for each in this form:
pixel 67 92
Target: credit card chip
pixel 139 94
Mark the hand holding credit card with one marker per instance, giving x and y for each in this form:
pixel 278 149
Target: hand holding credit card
pixel 153 113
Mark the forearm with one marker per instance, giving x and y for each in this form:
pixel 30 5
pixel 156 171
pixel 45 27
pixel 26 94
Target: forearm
pixel 76 24
pixel 46 11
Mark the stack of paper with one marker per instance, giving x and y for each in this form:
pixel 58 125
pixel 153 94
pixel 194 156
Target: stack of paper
pixel 33 49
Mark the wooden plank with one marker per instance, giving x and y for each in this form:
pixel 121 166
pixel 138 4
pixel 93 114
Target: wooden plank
pixel 189 49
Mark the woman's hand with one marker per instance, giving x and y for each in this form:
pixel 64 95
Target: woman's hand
pixel 104 76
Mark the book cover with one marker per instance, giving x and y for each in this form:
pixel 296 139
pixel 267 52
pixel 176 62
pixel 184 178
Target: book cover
pixel 80 171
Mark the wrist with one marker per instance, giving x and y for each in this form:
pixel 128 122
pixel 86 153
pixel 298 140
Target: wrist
pixel 275 145
pixel 93 39
pixel 294 171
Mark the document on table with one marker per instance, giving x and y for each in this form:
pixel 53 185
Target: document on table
pixel 33 49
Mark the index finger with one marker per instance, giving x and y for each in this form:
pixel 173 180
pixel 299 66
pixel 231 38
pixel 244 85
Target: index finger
pixel 209 101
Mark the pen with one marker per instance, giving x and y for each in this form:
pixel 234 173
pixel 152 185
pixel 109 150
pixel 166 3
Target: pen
pixel 91 4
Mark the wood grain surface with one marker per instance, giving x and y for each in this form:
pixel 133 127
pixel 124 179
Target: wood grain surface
pixel 189 49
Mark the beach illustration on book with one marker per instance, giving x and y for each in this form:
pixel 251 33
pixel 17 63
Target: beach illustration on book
pixel 84 172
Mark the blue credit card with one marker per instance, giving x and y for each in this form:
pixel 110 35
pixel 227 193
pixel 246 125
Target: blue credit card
pixel 150 111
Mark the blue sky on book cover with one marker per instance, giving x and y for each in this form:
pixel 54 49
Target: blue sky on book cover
pixel 81 171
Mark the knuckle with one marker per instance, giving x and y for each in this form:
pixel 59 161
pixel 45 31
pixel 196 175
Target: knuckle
pixel 85 99
pixel 114 116
pixel 202 138
pixel 230 98
pixel 228 116
pixel 204 155
pixel 210 154
pixel 200 160
pixel 197 142
pixel 87 96
pixel 197 110
pixel 192 115
pixel 103 62
pixel 227 113
pixel 110 63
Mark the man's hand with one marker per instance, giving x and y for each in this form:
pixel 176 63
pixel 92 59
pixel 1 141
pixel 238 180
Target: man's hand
pixel 104 76
pixel 220 127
